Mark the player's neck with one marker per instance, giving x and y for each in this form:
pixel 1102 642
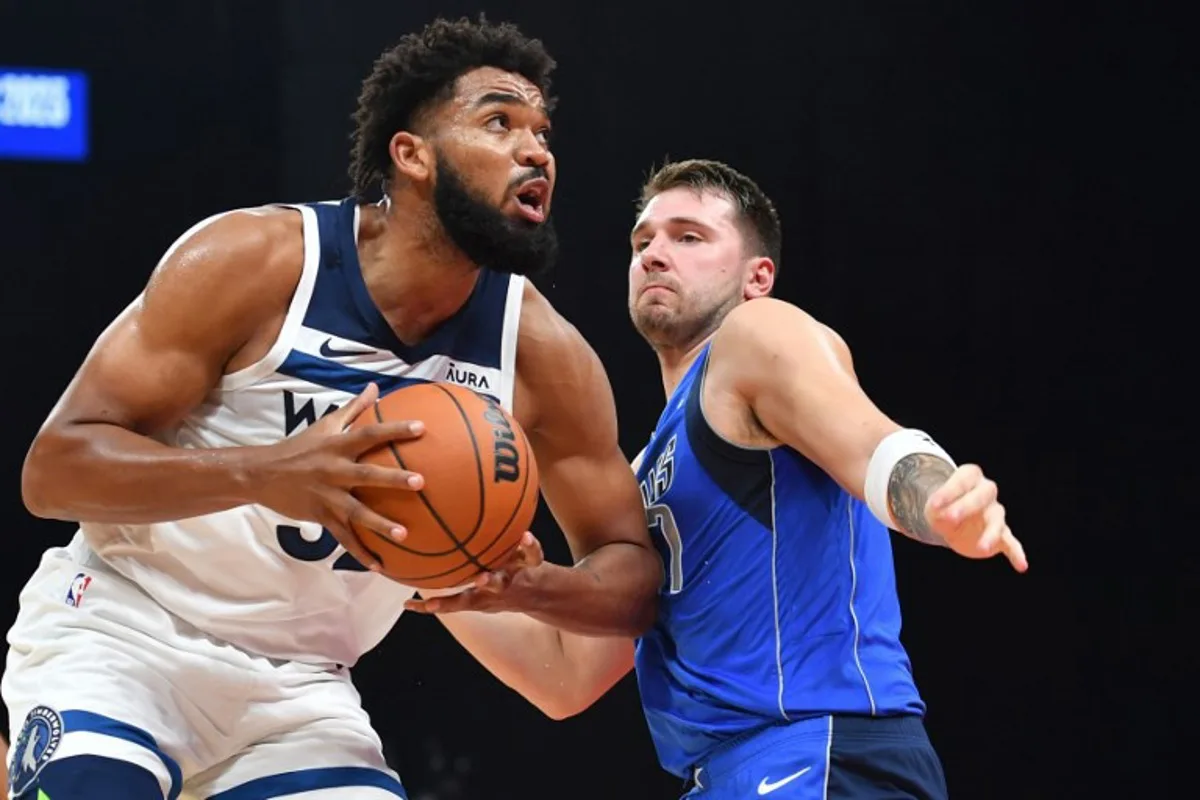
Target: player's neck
pixel 676 361
pixel 416 277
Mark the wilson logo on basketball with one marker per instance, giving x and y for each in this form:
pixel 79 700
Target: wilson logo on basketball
pixel 507 461
pixel 480 493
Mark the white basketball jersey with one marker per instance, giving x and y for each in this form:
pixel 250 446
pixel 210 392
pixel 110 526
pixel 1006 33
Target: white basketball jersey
pixel 275 586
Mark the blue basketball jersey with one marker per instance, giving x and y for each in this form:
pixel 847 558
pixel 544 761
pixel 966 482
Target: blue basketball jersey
pixel 779 599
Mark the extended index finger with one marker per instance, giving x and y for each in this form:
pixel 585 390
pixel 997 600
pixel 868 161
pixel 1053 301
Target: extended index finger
pixel 369 437
pixel 349 412
pixel 1013 551
pixel 531 550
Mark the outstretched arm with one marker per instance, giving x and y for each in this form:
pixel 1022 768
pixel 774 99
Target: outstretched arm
pixel 564 394
pixel 797 377
pixel 587 484
pixel 559 672
pixel 572 638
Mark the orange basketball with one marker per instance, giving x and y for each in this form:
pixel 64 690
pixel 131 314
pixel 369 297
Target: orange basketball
pixel 480 493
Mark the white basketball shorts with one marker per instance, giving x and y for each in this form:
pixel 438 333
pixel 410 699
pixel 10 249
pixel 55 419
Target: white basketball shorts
pixel 99 674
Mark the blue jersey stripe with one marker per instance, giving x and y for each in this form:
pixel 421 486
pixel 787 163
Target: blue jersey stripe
pixel 334 375
pixel 87 721
pixel 307 780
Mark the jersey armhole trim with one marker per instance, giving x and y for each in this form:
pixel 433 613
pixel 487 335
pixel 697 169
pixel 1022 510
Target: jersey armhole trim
pixel 295 313
pixel 701 430
pixel 636 463
pixel 508 340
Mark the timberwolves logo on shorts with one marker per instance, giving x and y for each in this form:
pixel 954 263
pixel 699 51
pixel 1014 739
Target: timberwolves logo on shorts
pixel 34 747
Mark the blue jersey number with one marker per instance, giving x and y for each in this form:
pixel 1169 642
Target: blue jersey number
pixel 662 521
pixel 296 546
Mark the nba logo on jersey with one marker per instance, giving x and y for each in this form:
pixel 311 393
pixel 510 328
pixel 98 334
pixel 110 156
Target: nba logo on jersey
pixel 78 586
pixel 35 745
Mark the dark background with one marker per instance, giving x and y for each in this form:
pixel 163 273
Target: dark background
pixel 986 199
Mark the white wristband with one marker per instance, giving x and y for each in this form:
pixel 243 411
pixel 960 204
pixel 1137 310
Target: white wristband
pixel 894 447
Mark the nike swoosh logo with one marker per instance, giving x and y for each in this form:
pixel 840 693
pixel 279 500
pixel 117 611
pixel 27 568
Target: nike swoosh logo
pixel 331 352
pixel 766 787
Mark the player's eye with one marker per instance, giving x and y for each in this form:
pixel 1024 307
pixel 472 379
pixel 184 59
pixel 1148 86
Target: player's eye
pixel 497 122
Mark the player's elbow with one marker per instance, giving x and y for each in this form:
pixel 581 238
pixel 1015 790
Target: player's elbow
pixel 643 616
pixel 645 596
pixel 567 702
pixel 559 710
pixel 39 484
pixel 577 686
pixel 35 482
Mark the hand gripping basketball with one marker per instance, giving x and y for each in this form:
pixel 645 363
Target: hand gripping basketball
pixel 496 590
pixel 480 485
pixel 312 476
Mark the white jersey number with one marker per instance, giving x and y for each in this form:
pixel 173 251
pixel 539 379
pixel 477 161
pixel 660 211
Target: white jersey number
pixel 295 545
pixel 662 521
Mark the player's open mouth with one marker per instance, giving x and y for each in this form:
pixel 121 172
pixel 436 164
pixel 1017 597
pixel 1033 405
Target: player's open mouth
pixel 531 199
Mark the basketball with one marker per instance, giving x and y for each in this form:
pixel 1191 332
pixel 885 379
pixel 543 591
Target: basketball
pixel 480 492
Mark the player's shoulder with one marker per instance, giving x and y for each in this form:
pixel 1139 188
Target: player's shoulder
pixel 557 369
pixel 265 233
pixel 751 321
pixel 537 312
pixel 758 325
pixel 259 249
pixel 544 332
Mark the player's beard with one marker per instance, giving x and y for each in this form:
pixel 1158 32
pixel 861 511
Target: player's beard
pixel 680 327
pixel 488 236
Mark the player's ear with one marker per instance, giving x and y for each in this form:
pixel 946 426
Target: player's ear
pixel 411 155
pixel 760 278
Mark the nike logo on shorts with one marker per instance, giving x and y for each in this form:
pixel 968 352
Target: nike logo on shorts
pixel 766 787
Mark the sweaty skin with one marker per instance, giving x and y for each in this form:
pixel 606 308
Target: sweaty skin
pixel 159 360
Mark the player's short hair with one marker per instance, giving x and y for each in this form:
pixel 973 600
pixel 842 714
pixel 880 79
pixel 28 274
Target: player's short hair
pixel 756 215
pixel 419 72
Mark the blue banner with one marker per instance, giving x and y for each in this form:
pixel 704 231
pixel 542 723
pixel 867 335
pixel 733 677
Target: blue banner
pixel 43 114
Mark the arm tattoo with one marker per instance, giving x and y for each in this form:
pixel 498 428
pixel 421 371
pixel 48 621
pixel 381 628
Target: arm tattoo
pixel 913 480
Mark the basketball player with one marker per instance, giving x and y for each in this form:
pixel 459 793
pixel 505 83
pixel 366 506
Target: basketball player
pixel 197 630
pixel 775 667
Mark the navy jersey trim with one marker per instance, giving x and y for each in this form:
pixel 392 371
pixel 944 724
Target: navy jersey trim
pixel 481 307
pixel 332 308
pixel 439 340
pixel 333 375
pixel 744 474
pixel 342 306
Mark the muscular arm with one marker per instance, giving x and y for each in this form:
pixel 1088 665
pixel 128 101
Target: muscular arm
pixel 913 480
pixel 587 484
pixel 559 672
pixel 797 377
pixel 154 364
pixel 575 639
